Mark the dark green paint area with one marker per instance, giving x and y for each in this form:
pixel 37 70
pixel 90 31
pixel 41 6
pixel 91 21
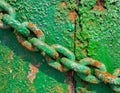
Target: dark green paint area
pixel 48 80
pixel 53 20
pixel 98 36
pixel 13 73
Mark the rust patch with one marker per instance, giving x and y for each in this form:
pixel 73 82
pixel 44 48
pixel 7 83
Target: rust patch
pixel 72 16
pixel 97 63
pixel 61 68
pixel 33 71
pixel 63 4
pixel 60 90
pixel 38 32
pixel 99 5
pixel 24 43
pixel 86 71
pixel 27 46
pixel 11 55
pixel 34 29
pixel 30 24
pixel 56 55
pixel 106 75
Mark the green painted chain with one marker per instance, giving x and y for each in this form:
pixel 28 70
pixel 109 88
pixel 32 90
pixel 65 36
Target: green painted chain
pixel 63 64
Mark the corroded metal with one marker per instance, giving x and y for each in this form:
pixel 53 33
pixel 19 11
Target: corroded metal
pixel 26 43
pixel 7 8
pixel 20 28
pixel 66 58
pixel 44 47
pixel 64 51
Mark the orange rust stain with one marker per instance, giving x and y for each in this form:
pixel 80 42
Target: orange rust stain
pixel 99 5
pixel 38 32
pixel 33 71
pixel 23 42
pixel 63 4
pixel 56 55
pixel 97 63
pixel 106 75
pixel 60 90
pixel 86 71
pixel 72 16
pixel 61 68
pixel 29 47
pixel 30 24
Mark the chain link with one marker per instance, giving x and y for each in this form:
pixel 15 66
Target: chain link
pixel 57 56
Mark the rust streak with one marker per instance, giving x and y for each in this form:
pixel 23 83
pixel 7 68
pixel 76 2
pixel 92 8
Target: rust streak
pixel 97 63
pixel 38 32
pixel 99 5
pixel 106 75
pixel 72 16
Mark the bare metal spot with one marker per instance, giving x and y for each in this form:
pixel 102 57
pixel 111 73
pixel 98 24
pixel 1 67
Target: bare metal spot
pixel 33 71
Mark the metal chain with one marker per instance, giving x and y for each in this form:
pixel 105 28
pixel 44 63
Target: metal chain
pixel 67 61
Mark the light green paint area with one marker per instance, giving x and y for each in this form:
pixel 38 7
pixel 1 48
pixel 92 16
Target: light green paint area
pixel 53 20
pixel 98 36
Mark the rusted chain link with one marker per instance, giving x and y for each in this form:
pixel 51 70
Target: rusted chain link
pixel 57 56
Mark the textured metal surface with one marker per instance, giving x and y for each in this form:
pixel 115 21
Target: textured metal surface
pixel 97 36
pixel 35 75
pixel 101 74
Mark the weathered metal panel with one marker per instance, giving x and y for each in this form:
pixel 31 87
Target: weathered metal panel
pixel 89 28
pixel 22 71
pixel 98 28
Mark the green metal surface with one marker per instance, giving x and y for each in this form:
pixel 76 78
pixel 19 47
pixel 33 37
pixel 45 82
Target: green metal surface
pixel 98 28
pixel 27 72
pixel 95 35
